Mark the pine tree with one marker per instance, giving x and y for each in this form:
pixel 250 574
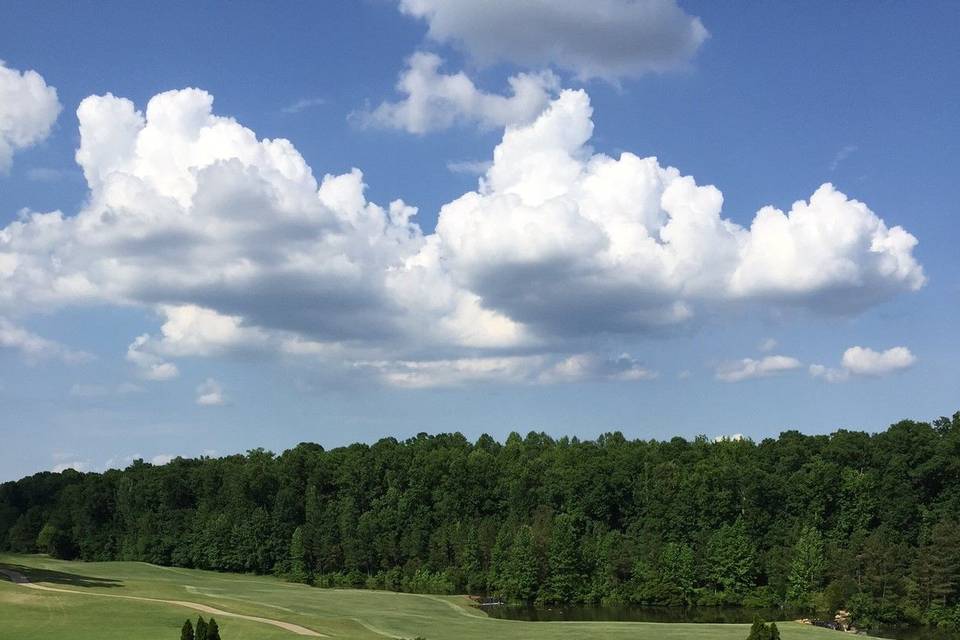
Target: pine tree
pixel 186 632
pixel 759 630
pixel 312 536
pixel 522 568
pixel 500 561
pixel 213 630
pixel 298 558
pixel 774 633
pixel 565 576
pixel 470 562
pixel 201 629
pixel 944 551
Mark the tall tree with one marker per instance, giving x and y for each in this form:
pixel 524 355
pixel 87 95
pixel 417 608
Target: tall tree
pixel 677 579
pixel 806 569
pixel 186 631
pixel 298 557
pixel 935 571
pixel 565 576
pixel 731 559
pixel 522 570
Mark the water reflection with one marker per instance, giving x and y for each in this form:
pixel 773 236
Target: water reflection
pixel 726 615
pixel 721 615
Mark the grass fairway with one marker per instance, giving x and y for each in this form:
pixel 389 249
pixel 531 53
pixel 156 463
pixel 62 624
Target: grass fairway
pixel 337 613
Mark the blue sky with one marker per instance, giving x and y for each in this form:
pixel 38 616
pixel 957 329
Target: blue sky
pixel 204 291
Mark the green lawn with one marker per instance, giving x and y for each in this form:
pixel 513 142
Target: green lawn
pixel 339 613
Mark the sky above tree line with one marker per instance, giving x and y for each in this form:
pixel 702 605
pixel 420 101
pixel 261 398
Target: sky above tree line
pixel 224 228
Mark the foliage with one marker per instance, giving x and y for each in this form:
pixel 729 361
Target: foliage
pixel 759 630
pixel 186 632
pixel 298 557
pixel 201 631
pixel 731 561
pixel 213 630
pixel 847 520
pixel 806 570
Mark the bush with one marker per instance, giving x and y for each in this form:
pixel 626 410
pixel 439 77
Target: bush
pixel 763 597
pixel 762 631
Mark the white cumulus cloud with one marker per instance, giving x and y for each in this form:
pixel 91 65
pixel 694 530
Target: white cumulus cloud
pixel 28 109
pixel 625 245
pixel 210 394
pixel 149 364
pixel 867 362
pixel 736 437
pixel 559 250
pixel 605 38
pixel 863 361
pixel 749 368
pixel 77 465
pixel 435 101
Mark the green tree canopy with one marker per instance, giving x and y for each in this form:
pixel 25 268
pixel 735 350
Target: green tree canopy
pixel 807 567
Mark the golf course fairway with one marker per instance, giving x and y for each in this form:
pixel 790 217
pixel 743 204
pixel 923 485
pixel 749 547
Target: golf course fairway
pixel 46 599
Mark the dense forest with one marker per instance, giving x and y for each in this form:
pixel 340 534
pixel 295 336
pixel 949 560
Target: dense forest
pixel 868 522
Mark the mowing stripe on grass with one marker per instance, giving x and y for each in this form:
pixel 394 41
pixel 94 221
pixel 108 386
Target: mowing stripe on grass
pixel 22 580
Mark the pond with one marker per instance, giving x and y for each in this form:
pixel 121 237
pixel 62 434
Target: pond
pixel 726 615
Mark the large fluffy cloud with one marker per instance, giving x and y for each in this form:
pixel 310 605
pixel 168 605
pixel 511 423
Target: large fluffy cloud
pixel 604 38
pixel 435 101
pixel 28 109
pixel 238 247
pixel 621 245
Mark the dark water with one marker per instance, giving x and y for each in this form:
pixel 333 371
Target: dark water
pixel 640 614
pixel 725 615
pixel 915 633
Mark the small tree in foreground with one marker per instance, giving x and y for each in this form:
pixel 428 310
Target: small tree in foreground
pixel 201 632
pixel 186 632
pixel 213 630
pixel 761 631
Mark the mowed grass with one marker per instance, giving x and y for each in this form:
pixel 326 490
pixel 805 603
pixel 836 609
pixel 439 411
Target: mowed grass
pixel 339 613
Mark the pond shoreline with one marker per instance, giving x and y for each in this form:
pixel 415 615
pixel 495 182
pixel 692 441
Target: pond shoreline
pixel 694 614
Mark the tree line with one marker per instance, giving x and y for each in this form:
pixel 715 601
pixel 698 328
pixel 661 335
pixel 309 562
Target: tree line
pixel 865 522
